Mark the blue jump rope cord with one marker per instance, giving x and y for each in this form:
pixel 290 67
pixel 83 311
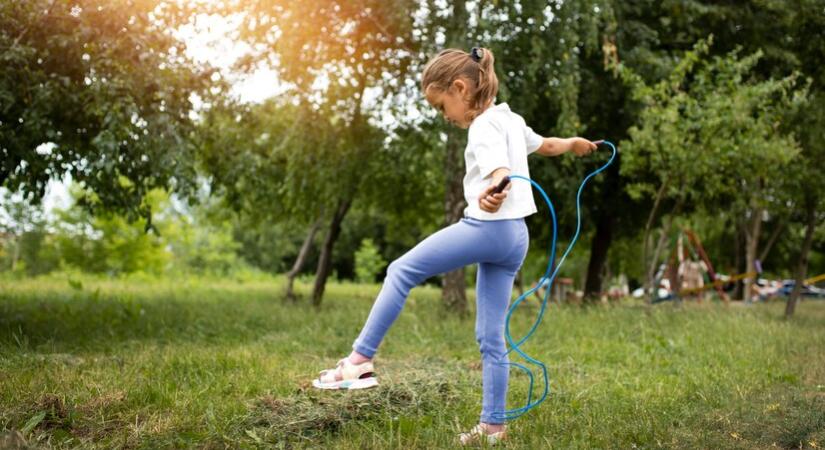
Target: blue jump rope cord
pixel 549 277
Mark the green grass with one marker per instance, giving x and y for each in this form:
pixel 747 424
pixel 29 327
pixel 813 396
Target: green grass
pixel 203 363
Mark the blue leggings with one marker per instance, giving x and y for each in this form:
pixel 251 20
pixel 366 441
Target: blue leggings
pixel 499 248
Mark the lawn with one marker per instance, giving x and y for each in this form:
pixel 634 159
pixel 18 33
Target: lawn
pixel 215 363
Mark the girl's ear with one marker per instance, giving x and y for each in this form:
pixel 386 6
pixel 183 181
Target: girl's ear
pixel 460 87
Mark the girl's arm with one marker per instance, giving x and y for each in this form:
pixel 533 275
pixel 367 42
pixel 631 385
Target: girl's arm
pixel 552 146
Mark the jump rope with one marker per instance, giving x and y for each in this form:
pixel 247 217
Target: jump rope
pixel 548 279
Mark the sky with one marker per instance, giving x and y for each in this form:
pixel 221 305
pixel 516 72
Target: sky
pixel 207 42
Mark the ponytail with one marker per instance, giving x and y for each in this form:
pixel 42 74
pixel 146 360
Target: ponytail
pixel 487 83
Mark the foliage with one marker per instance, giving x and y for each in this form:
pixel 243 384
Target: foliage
pixel 368 262
pixel 709 136
pixel 186 242
pixel 200 245
pixel 651 36
pixel 706 131
pixel 270 247
pixel 107 96
pixel 319 140
pixel 98 89
pixel 108 243
pixel 22 234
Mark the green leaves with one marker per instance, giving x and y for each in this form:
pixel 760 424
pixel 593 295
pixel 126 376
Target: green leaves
pixel 368 262
pixel 104 83
pixel 709 129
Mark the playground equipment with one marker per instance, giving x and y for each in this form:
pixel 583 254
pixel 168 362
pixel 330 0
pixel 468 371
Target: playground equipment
pixel 677 266
pixel 677 260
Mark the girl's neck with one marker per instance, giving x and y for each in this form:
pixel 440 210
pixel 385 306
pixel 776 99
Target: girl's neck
pixel 485 108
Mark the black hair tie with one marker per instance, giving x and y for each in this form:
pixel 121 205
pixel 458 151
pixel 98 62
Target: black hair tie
pixel 475 53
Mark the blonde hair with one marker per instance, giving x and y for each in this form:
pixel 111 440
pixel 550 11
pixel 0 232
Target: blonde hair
pixel 452 63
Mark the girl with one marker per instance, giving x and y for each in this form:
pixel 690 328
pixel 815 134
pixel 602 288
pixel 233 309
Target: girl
pixel 493 233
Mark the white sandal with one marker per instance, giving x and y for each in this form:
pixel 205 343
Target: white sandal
pixel 477 434
pixel 353 376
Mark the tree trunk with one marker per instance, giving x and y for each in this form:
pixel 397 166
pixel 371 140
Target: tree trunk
pixel 598 256
pixel 300 260
pixel 453 293
pixel 780 227
pixel 646 235
pixel 802 266
pixel 325 259
pixel 751 245
pixel 653 264
pixel 738 261
pixel 598 270
pixel 454 286
pixel 673 276
pixel 16 255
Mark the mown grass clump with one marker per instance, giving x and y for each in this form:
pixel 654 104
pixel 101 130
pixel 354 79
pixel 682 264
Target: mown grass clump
pixel 406 392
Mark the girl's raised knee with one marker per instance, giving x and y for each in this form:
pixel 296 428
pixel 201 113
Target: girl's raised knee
pixel 395 268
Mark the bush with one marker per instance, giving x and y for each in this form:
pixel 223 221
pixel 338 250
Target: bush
pixel 368 262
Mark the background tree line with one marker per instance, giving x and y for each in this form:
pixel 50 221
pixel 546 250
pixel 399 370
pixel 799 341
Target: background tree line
pixel 717 106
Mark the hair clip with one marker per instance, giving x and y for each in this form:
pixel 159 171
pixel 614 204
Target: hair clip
pixel 475 53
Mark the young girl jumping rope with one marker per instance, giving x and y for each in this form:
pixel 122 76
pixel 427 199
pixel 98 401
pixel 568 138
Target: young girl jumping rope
pixel 493 233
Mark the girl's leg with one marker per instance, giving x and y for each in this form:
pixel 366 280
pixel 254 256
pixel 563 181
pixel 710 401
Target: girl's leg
pixel 494 287
pixel 465 242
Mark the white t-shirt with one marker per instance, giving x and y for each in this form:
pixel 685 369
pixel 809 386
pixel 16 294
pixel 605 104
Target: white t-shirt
pixel 498 138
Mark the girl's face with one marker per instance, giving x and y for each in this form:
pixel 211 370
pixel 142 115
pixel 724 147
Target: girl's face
pixel 451 103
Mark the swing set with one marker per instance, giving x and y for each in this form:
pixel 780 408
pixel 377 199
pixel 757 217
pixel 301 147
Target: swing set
pixel 676 260
pixel 677 265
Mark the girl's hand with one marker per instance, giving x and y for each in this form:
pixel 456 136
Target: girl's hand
pixel 489 202
pixel 581 146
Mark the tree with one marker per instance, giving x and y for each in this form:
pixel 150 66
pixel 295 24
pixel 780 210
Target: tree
pixel 808 185
pixel 451 22
pixel 708 133
pixel 789 35
pixel 356 53
pixel 19 218
pixel 99 89
pixel 260 160
pixel 368 262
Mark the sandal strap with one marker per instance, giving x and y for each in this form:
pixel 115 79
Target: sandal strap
pixel 347 370
pixel 478 432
